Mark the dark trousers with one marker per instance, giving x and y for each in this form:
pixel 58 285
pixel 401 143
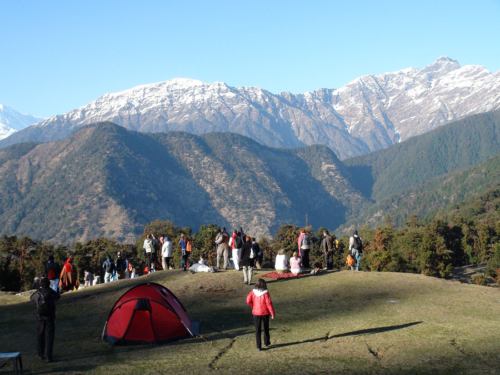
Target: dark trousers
pixel 329 260
pixel 45 332
pixel 305 258
pixel 240 253
pixel 149 256
pixel 184 261
pixel 258 320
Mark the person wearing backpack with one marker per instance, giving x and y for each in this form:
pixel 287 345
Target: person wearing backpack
pixel 258 252
pixel 304 245
pixel 109 267
pixel 45 299
pixel 53 271
pixel 121 266
pixel 236 245
pixel 356 249
pixel 184 255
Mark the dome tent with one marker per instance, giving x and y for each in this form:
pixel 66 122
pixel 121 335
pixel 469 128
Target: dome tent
pixel 148 313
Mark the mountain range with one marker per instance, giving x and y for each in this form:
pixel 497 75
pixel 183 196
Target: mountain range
pixel 370 113
pixel 105 180
pixel 12 121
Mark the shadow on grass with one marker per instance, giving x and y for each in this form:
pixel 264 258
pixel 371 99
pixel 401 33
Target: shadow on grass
pixel 369 331
pixel 65 369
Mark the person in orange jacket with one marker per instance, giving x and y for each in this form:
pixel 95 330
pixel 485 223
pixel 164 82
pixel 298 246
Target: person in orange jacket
pixel 262 308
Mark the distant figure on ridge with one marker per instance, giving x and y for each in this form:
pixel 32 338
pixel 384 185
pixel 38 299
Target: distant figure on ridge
pixel 88 279
pixel 69 276
pixel 109 267
pixel 121 266
pixel 262 308
pixel 202 261
pixel 36 284
pixel 53 270
pixel 45 299
pixel 295 264
pixel 222 241
pixel 304 245
pixel 184 256
pixel 328 249
pixel 281 263
pixel 259 254
pixel 236 245
pixel 247 261
pixel 356 249
pixel 166 253
pixel 149 249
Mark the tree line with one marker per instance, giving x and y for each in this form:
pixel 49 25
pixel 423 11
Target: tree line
pixel 461 235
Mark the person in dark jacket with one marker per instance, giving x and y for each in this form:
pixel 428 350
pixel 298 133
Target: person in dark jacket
pixel 247 260
pixel 45 315
pixel 328 249
pixel 262 308
pixel 36 284
pixel 258 252
pixel 109 267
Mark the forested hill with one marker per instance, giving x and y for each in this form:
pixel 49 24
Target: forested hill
pixel 107 181
pixel 420 159
pixel 427 199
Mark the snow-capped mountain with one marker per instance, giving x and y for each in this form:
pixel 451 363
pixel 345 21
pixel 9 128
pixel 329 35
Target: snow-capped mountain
pixel 367 114
pixel 11 121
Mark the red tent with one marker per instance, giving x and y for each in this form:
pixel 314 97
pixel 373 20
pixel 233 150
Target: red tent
pixel 148 314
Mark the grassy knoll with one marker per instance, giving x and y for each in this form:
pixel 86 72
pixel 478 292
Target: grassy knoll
pixel 342 322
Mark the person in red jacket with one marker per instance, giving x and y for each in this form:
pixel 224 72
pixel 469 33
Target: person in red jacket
pixel 262 307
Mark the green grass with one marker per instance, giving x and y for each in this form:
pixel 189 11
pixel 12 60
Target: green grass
pixel 337 322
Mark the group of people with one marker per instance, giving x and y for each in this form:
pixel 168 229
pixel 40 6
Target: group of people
pixel 61 279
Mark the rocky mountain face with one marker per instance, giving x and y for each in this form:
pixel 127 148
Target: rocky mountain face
pixel 12 121
pixel 107 181
pixel 370 113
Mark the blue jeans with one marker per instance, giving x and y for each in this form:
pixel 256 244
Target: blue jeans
pixel 358 257
pixel 184 261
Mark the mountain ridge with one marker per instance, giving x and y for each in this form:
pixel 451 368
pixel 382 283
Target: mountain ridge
pixel 369 113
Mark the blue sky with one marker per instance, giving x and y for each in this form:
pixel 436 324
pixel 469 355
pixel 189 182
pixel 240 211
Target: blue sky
pixel 60 55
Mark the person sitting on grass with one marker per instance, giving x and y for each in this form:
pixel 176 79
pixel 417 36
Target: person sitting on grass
pixel 295 264
pixel 202 261
pixel 281 263
pixel 262 308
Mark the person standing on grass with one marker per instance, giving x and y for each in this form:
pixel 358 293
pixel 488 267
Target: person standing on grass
pixel 304 245
pixel 222 242
pixel 236 245
pixel 262 308
pixel 356 249
pixel 184 256
pixel 69 276
pixel 149 249
pixel 247 261
pixel 109 267
pixel 258 253
pixel 45 299
pixel 121 266
pixel 53 270
pixel 166 253
pixel 328 249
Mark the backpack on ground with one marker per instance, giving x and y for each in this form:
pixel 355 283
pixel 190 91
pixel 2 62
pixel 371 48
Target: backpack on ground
pixel 238 243
pixel 358 245
pixel 42 306
pixel 306 240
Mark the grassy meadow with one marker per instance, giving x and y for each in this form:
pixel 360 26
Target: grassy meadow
pixel 334 322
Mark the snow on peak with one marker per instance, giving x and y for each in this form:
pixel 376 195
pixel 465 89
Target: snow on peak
pixel 12 121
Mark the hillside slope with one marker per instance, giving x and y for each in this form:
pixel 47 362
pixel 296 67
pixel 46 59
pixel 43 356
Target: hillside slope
pixel 420 159
pixel 107 181
pixel 427 199
pixel 336 322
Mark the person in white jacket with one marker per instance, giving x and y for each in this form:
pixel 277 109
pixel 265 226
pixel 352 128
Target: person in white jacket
pixel 281 263
pixel 166 253
pixel 149 248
